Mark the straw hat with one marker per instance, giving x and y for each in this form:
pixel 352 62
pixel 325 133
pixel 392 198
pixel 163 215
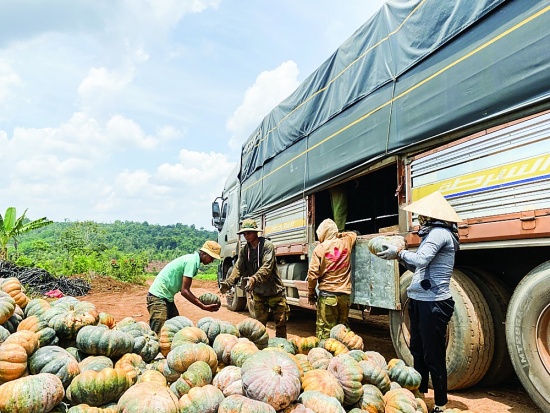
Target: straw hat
pixel 249 225
pixel 212 248
pixel 434 206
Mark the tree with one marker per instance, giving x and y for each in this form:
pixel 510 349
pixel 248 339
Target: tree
pixel 11 227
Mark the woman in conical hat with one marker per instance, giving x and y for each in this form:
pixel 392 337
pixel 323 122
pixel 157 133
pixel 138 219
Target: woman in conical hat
pixel 431 305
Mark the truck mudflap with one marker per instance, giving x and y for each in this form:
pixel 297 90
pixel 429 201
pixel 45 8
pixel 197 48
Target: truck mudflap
pixel 528 334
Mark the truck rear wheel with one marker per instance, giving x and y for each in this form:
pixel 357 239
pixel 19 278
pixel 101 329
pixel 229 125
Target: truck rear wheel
pixel 469 334
pixel 497 296
pixel 528 334
pixel 234 303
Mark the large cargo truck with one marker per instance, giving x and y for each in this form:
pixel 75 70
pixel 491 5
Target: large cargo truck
pixel 425 96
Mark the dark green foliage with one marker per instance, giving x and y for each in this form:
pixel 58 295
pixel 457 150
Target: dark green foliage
pixel 121 249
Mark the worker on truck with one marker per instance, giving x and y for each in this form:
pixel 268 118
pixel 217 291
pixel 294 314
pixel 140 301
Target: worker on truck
pixel 330 270
pixel 431 305
pixel 257 261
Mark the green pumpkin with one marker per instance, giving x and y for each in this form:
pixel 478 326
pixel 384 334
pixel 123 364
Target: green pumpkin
pixel 213 327
pixel 68 316
pixel 86 408
pixel 204 399
pixel 254 331
pixel 7 306
pixel 101 341
pixel 146 342
pixel 209 298
pixel 55 360
pixel 406 376
pixel 97 388
pixel 222 345
pixel 375 375
pixel 281 343
pixel 36 306
pixel 96 363
pixel 372 398
pixel 239 403
pixel 319 402
pixel 181 357
pixel 188 335
pixel 349 374
pixel 31 394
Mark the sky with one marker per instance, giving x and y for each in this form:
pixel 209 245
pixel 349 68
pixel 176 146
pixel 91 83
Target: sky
pixel 136 110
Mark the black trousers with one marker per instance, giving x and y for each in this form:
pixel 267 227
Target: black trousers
pixel 428 322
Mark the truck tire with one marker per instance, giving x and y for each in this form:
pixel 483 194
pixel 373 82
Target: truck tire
pixel 234 303
pixel 497 295
pixel 528 334
pixel 469 334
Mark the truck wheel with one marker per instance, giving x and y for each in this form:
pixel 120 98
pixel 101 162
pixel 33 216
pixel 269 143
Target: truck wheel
pixel 497 296
pixel 528 334
pixel 469 349
pixel 234 303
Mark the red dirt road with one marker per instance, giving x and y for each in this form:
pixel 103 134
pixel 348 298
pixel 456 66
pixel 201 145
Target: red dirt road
pixel 124 300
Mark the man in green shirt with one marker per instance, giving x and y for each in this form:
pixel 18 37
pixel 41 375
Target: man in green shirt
pixel 175 277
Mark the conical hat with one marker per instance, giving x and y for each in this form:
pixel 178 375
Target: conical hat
pixel 434 206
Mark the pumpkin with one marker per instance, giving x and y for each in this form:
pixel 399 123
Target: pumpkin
pixel 31 394
pixel 421 406
pixel 148 397
pixel 169 328
pixel 7 306
pixel 349 374
pixel 347 337
pixel 297 408
pixel 161 365
pixel 146 342
pixel 241 404
pixel 67 317
pixel 180 358
pixel 254 331
pixel 204 399
pixel 100 340
pixel 209 298
pixel 13 287
pixel 4 334
pixel 304 344
pixel 98 387
pixel 304 362
pixel 319 402
pixel 323 381
pixel 106 319
pixel 213 327
pixel 241 351
pixel 400 401
pixel 27 339
pixel 375 375
pixel 375 245
pixel 152 376
pixel 377 358
pixel 46 335
pixel 189 335
pixel 281 343
pixel 229 380
pixel 54 360
pixel 36 306
pixel 358 355
pixel 334 346
pixel 86 408
pixel 13 361
pixel 197 375
pixel 222 345
pixel 372 400
pixel 96 363
pixel 271 377
pixel 319 358
pixel 11 323
pixel 406 376
pixel 132 364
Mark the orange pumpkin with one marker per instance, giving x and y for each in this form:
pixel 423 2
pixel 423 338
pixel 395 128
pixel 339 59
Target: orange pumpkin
pixel 13 287
pixel 323 381
pixel 32 394
pixel 13 361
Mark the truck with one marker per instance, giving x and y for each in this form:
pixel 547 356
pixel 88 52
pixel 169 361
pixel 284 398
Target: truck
pixel 426 96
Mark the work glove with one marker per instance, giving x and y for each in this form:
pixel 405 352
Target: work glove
pixel 224 287
pixel 312 299
pixel 389 253
pixel 250 284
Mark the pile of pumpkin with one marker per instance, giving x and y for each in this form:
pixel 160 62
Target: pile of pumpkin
pixel 65 356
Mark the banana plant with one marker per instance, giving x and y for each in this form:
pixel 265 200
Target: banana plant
pixel 11 227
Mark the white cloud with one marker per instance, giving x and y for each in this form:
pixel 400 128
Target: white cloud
pixel 270 88
pixel 9 79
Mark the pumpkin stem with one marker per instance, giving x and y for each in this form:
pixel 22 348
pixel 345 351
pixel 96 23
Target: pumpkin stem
pixel 277 369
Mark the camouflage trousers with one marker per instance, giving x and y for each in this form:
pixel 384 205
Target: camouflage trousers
pixel 160 310
pixel 331 310
pixel 278 306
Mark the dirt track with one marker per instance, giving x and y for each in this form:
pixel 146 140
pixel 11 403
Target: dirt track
pixel 123 300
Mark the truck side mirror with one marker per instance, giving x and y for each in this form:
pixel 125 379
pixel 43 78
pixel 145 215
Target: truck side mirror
pixel 224 211
pixel 215 210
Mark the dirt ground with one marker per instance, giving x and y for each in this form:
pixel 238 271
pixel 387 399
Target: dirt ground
pixel 123 300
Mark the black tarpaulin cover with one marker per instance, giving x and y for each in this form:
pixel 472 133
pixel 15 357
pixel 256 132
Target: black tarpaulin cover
pixel 415 70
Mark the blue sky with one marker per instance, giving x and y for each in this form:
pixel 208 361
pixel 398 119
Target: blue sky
pixel 136 110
